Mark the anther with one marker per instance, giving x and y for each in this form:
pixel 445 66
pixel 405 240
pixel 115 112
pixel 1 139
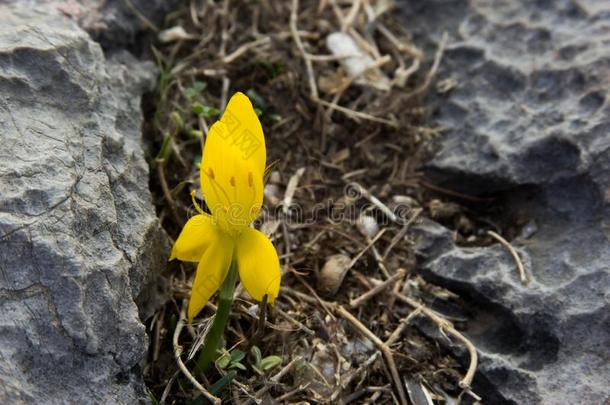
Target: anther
pixel 211 173
pixel 232 181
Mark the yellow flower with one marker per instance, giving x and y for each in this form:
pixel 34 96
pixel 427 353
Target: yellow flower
pixel 232 169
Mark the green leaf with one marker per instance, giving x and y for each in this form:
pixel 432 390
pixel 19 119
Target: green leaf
pixel 166 149
pixel 221 383
pixel 195 90
pixel 177 120
pixel 204 110
pixel 223 361
pixel 257 370
pixel 238 365
pixel 256 352
pixel 237 355
pixel 258 112
pixel 193 133
pixel 270 361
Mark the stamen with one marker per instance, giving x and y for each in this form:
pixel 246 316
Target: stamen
pixel 215 184
pixel 253 211
pixel 196 204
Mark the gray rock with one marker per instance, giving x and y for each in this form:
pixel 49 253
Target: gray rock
pixel 112 23
pixel 530 107
pixel 79 238
pixel 530 122
pixel 546 342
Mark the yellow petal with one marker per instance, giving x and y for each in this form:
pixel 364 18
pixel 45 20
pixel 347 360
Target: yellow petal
pixel 245 130
pixel 194 239
pixel 232 167
pixel 211 272
pixel 258 265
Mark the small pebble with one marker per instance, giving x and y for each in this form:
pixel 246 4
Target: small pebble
pixel 332 274
pixel 367 225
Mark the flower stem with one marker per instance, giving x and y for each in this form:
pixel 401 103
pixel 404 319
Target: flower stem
pixel 214 336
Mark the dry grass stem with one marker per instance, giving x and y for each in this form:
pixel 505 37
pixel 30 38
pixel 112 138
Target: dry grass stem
pixel 387 352
pixel 433 69
pixel 446 326
pixel 370 244
pixel 401 234
pixel 182 366
pixel 361 369
pixel 377 289
pixel 374 200
pixel 245 48
pixel 297 40
pixel 514 253
pixel 357 115
pixel 291 188
pixel 277 377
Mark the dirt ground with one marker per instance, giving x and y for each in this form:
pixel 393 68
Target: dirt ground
pixel 343 190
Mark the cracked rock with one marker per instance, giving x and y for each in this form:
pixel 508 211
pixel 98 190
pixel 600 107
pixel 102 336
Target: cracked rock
pixel 79 239
pixel 529 121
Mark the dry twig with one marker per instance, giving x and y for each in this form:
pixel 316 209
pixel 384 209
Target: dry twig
pixel 387 352
pixel 313 88
pixel 446 326
pixel 377 289
pixel 513 252
pixel 182 366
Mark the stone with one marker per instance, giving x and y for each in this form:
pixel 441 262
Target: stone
pixel 528 124
pixel 530 106
pixel 544 342
pixel 115 24
pixel 80 242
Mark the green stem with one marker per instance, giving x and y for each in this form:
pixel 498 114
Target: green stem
pixel 214 336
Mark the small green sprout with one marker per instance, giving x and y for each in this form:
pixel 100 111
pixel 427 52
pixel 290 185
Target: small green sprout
pixel 177 120
pixel 204 110
pixel 166 149
pixel 195 90
pixel 263 364
pixel 196 134
pixel 230 360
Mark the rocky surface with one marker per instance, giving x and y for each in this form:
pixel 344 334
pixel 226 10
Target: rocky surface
pixel 79 238
pixel 529 122
pixel 112 23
